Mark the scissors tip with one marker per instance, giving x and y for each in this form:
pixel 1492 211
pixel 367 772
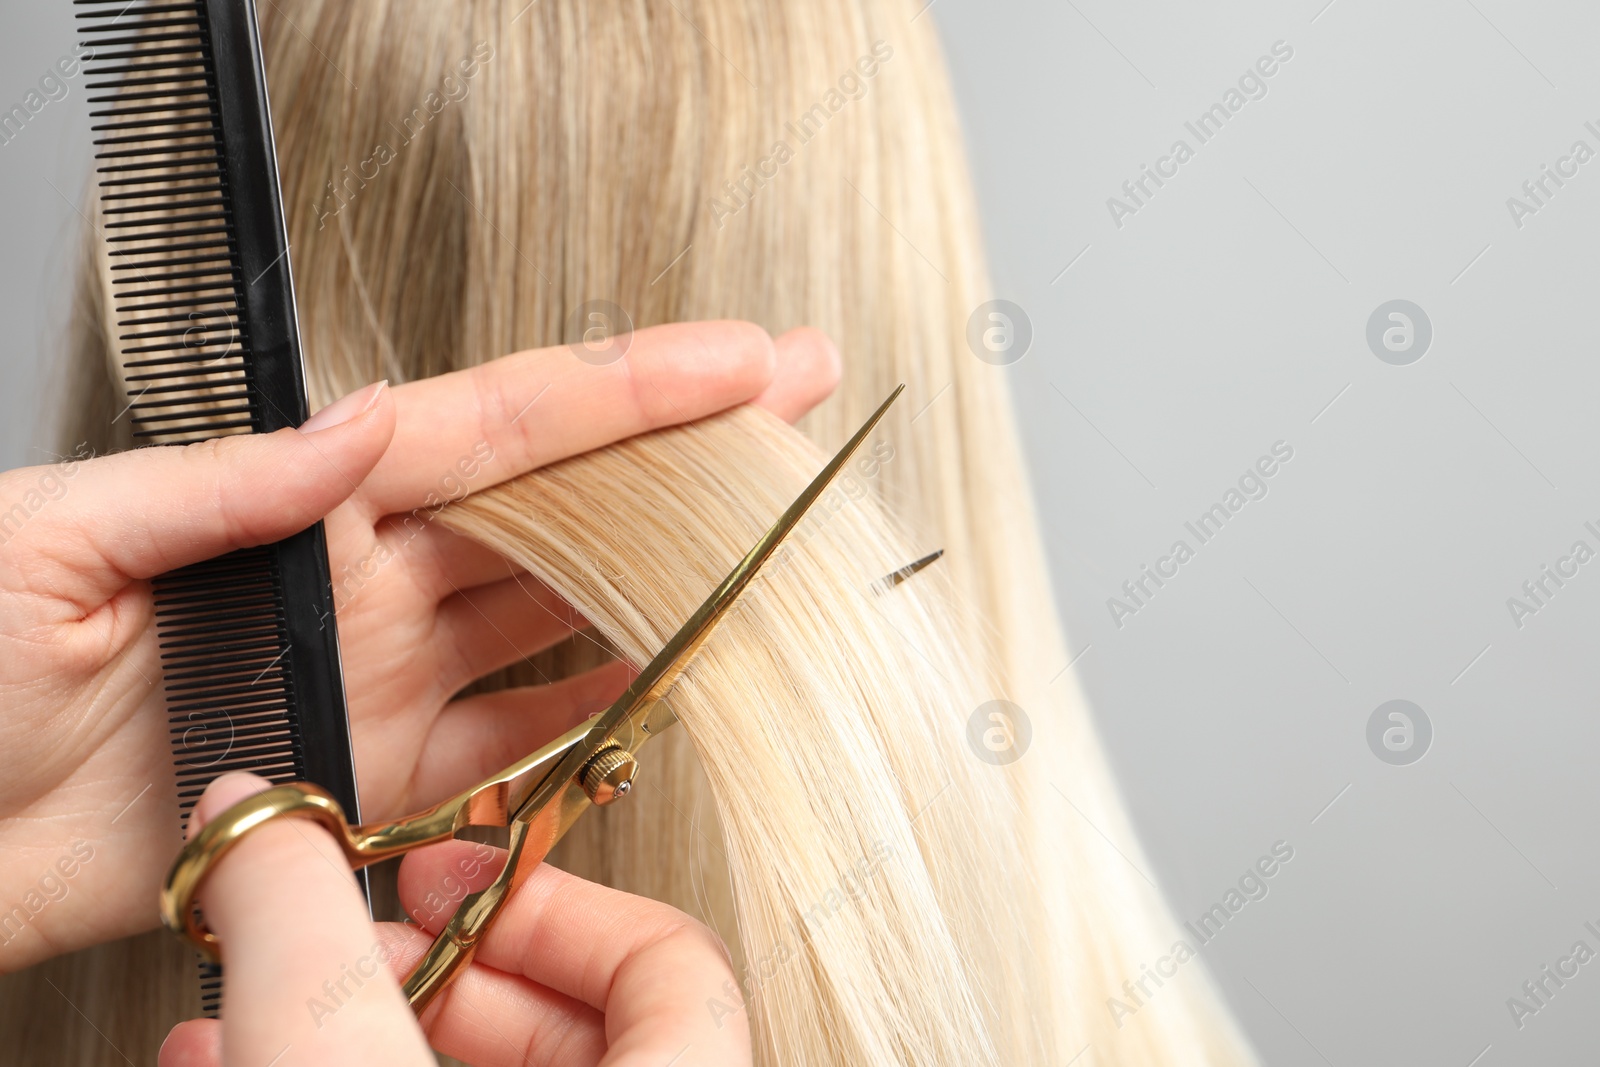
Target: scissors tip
pixel 889 581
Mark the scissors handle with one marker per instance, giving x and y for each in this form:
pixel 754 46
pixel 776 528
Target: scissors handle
pixel 300 800
pixel 534 832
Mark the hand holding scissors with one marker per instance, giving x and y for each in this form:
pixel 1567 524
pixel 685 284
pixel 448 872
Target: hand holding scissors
pixel 571 973
pixel 538 798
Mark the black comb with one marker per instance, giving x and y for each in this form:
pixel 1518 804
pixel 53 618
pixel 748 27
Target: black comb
pixel 205 317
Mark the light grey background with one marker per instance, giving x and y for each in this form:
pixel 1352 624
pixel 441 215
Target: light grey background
pixel 1227 314
pixel 42 183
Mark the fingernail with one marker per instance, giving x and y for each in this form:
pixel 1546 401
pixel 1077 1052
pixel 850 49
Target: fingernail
pixel 346 408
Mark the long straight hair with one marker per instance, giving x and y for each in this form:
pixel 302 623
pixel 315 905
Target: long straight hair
pixel 469 179
pixel 883 908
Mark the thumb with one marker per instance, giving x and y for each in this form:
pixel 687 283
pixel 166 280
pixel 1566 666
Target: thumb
pixel 138 514
pixel 304 967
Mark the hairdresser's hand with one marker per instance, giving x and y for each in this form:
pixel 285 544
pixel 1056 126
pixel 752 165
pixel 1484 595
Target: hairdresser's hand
pixel 88 813
pixel 423 612
pixel 571 973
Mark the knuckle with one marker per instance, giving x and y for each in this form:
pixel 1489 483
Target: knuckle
pixel 209 463
pixel 499 408
pixel 751 354
pixel 694 936
pixel 651 409
pixel 828 368
pixel 213 450
pixel 763 349
pixel 724 359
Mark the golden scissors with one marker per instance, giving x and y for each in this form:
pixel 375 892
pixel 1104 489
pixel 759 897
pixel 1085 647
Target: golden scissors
pixel 538 798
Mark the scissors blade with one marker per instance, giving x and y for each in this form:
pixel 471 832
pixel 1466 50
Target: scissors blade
pixel 642 704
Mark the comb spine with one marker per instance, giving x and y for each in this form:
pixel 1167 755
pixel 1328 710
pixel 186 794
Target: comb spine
pixel 249 149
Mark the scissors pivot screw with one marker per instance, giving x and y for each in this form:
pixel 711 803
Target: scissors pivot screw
pixel 609 776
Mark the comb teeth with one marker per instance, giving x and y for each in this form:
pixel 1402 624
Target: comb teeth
pixel 230 693
pixel 177 289
pixel 250 669
pixel 210 988
pixel 229 686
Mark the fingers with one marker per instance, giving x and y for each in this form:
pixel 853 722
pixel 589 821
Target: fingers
pixel 193 1043
pixel 141 513
pixel 493 1019
pixel 499 624
pixel 440 561
pixel 808 370
pixel 661 978
pixel 305 975
pixel 478 735
pixel 475 428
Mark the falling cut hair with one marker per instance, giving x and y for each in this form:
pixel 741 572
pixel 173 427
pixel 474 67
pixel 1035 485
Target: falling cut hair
pixel 888 896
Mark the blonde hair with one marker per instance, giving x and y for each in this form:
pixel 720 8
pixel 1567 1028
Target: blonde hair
pixel 884 914
pixel 628 152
